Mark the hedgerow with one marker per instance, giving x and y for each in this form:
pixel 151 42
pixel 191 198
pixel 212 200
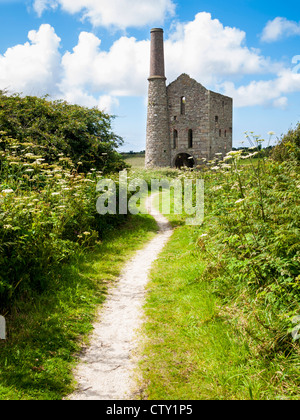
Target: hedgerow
pixel 47 195
pixel 288 147
pixel 82 134
pixel 251 237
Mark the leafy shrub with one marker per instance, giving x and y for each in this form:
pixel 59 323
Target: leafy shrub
pixel 48 213
pixel 289 146
pixel 47 195
pixel 82 134
pixel 252 240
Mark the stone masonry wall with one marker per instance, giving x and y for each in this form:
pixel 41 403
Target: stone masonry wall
pixel 220 121
pixel 184 119
pixel 207 114
pixel 195 118
pixel 158 136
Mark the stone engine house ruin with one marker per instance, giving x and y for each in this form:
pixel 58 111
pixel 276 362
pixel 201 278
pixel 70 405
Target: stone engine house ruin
pixel 185 121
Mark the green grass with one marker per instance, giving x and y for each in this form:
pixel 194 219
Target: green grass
pixel 135 161
pixel 196 342
pixel 191 350
pixel 46 332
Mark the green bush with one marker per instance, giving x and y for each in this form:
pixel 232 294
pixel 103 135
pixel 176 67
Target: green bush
pixel 289 146
pixel 82 134
pixel 47 195
pixel 252 242
pixel 48 213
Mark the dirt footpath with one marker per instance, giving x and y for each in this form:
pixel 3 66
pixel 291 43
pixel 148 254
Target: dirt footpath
pixel 105 370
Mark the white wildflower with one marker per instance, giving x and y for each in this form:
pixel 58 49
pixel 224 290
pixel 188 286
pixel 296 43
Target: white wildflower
pixel 38 161
pixel 234 153
pixel 7 226
pixel 227 157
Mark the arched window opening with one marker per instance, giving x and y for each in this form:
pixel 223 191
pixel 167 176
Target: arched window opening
pixel 175 139
pixel 225 132
pixel 190 139
pixel 182 105
pixel 220 133
pixel 216 118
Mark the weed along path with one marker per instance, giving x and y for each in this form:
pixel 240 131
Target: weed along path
pixel 105 370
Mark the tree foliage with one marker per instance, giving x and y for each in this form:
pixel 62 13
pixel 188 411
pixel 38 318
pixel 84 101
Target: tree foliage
pixel 52 155
pixel 84 135
pixel 289 146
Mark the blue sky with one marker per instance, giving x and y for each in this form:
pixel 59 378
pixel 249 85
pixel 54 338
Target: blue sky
pixel 96 53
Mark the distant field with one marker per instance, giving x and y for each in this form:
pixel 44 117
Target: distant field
pixel 136 161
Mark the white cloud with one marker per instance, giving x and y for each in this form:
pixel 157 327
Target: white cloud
pixel 279 28
pixel 122 71
pixel 117 13
pixel 80 97
pixel 280 102
pixel 91 76
pixel 209 51
pixel 265 92
pixel 107 103
pixel 34 67
pixel 41 5
pixel 203 48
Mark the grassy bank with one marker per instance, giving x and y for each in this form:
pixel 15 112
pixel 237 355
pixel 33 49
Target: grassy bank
pixel 193 349
pixel 136 160
pixel 222 296
pixel 46 331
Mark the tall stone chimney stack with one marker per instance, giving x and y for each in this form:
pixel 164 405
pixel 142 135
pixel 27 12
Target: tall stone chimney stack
pixel 157 59
pixel 158 150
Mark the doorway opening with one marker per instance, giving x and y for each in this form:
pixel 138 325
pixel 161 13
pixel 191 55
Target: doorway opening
pixel 184 159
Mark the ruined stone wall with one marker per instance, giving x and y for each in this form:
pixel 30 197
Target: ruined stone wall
pixel 158 135
pixel 195 118
pixel 220 122
pixel 199 126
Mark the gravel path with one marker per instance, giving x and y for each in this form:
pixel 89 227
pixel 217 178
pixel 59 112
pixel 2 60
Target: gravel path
pixel 105 370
